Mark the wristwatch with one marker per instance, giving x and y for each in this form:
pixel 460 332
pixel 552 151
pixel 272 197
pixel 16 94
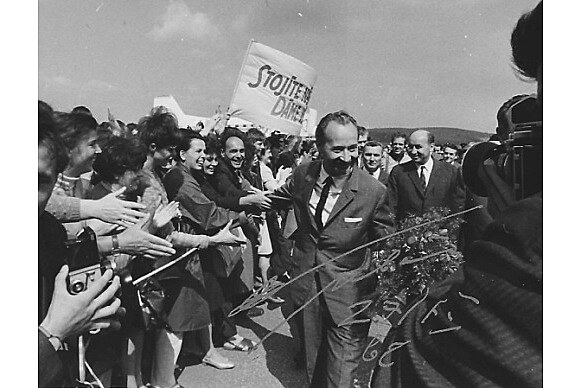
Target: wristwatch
pixel 115 249
pixel 57 343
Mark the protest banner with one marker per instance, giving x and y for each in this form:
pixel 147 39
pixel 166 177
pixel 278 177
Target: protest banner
pixel 273 89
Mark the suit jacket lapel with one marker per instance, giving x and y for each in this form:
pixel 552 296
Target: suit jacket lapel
pixel 436 175
pixel 346 196
pixel 311 177
pixel 415 178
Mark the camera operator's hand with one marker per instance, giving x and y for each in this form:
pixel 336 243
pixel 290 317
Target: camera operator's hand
pixel 225 237
pixel 116 211
pixel 258 199
pixel 136 241
pixel 70 315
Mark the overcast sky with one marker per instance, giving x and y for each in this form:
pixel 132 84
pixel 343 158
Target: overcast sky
pixel 397 63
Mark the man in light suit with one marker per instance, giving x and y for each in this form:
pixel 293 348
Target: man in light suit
pixel 372 155
pixel 338 208
pixel 424 182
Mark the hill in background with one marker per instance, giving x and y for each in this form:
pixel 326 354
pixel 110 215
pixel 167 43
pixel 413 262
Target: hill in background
pixel 442 134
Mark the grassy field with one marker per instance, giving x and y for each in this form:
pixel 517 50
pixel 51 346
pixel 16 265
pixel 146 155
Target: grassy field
pixel 442 134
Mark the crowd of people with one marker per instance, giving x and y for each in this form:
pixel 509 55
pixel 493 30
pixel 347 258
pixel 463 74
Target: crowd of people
pixel 150 234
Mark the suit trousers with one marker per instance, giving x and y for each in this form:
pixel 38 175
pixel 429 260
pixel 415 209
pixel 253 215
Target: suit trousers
pixel 333 352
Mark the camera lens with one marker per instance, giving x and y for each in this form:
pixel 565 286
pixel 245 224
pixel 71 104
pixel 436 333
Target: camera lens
pixel 77 287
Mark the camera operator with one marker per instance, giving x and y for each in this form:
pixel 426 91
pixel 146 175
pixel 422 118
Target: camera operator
pixel 487 317
pixel 61 314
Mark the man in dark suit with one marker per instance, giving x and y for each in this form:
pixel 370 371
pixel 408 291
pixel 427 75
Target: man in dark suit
pixel 371 157
pixel 424 182
pixel 338 208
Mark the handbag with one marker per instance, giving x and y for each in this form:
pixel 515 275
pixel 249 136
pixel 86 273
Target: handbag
pixel 151 297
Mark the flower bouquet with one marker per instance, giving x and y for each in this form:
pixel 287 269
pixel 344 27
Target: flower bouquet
pixel 422 252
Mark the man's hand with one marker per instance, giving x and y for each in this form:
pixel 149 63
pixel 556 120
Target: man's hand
pixel 136 241
pixel 70 315
pixel 225 237
pixel 117 211
pixel 258 199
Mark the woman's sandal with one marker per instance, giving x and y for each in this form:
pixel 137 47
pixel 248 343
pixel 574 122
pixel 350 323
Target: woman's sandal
pixel 241 344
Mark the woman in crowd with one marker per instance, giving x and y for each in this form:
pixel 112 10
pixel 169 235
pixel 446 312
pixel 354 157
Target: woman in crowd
pixel 185 307
pixel 118 166
pixel 203 215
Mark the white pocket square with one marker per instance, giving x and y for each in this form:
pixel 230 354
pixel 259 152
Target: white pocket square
pixel 348 219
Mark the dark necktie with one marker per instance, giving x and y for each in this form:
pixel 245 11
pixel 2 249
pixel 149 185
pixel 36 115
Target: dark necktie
pixel 422 178
pixel 323 197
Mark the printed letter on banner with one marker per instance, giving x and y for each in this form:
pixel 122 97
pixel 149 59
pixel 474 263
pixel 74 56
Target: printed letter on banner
pixel 273 90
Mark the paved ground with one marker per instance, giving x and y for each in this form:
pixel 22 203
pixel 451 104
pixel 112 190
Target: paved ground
pixel 271 365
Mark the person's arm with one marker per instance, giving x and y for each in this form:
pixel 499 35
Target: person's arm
pixel 108 209
pixel 65 209
pixel 223 237
pixel 50 366
pixel 393 191
pixel 135 241
pixel 203 213
pixel 458 197
pixel 229 196
pixel 383 219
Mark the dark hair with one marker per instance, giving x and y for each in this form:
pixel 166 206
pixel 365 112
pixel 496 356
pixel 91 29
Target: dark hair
pixel 372 143
pixel 183 139
pixel 362 130
pixel 398 135
pixel 449 145
pixel 82 109
pixel 255 134
pixel 213 146
pixel 48 136
pixel 306 146
pixel 340 117
pixel 74 126
pixel 527 42
pixel 159 127
pixel 118 156
pixel 286 160
pixel 232 132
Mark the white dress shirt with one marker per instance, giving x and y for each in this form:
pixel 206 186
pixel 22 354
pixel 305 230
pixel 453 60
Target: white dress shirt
pixel 375 174
pixel 426 171
pixel 335 190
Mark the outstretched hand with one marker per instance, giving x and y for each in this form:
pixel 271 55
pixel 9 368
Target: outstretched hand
pixel 95 308
pixel 225 237
pixel 117 211
pixel 164 214
pixel 137 241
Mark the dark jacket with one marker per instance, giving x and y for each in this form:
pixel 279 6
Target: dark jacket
pixel 444 189
pixel 487 325
pixel 228 185
pixel 53 366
